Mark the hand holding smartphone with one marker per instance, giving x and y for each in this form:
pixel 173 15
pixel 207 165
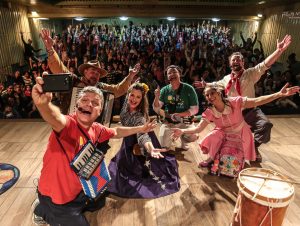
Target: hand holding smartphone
pixel 57 82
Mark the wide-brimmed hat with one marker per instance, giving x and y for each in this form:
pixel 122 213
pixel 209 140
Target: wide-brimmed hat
pixel 95 64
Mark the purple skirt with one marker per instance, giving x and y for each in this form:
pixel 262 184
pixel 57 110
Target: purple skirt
pixel 135 176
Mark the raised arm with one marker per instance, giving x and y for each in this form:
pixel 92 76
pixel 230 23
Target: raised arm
pixel 54 62
pixel 48 111
pixel 281 47
pixel 284 92
pixel 121 88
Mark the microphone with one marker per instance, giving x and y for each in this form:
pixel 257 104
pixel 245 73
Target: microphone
pixel 81 109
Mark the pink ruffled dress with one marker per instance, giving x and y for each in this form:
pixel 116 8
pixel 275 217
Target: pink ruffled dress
pixel 230 121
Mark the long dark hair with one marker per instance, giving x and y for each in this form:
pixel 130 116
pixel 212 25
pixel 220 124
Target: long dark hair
pixel 143 107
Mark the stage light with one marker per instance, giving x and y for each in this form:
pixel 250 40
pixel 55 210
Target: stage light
pixel 215 19
pixel 79 18
pixel 170 18
pixel 261 2
pixel 259 15
pixel 123 18
pixel 34 13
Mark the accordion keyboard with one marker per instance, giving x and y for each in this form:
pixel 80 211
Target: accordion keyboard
pixel 87 161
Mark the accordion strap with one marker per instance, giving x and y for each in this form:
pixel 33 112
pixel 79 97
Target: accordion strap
pixel 81 130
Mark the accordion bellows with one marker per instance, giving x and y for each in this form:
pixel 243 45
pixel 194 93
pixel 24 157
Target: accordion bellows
pixel 97 183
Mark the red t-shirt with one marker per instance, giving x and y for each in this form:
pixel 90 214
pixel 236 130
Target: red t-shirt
pixel 58 180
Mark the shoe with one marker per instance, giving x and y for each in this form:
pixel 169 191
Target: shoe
pixel 258 157
pixel 205 164
pixel 37 220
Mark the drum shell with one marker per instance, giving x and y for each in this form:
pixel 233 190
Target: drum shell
pixel 254 212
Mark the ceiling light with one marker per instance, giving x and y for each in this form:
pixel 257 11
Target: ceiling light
pixel 215 19
pixel 170 18
pixel 79 18
pixel 259 15
pixel 123 18
pixel 261 2
pixel 34 13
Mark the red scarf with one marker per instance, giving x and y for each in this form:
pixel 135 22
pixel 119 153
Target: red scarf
pixel 236 80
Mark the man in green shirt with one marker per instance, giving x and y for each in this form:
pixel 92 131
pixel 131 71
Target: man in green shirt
pixel 176 101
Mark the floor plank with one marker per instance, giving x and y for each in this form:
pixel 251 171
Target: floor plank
pixel 202 200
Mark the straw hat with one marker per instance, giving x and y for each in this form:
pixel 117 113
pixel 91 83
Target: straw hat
pixel 95 64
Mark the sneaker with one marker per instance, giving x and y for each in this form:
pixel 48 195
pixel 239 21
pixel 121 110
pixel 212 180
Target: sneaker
pixel 37 220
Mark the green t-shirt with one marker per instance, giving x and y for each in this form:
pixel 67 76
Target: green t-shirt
pixel 180 100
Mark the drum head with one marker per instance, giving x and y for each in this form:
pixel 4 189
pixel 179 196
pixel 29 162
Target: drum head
pixel 265 191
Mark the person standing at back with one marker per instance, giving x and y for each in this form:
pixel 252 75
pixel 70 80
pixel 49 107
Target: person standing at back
pixel 91 73
pixel 241 81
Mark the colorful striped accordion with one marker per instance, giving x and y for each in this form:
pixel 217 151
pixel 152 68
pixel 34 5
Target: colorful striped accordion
pixel 97 183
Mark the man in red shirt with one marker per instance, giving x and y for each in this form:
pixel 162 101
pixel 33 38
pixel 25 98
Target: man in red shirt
pixel 61 197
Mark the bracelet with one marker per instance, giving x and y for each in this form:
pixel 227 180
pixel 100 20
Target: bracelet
pixel 50 51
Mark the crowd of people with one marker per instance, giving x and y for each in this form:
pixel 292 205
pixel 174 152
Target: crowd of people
pixel 200 50
pixel 163 69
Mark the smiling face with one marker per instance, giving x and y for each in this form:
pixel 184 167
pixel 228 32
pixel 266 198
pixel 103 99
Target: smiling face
pixel 212 96
pixel 89 108
pixel 236 63
pixel 173 77
pixel 91 75
pixel 134 99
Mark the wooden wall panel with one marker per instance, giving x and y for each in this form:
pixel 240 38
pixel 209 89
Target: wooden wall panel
pixel 275 27
pixel 13 20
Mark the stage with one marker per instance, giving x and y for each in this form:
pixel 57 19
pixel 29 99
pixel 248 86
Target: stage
pixel 203 199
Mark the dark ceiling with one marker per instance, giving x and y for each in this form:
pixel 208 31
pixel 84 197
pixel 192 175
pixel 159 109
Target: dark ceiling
pixel 224 9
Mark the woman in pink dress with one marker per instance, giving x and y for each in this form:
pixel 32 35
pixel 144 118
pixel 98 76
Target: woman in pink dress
pixel 226 113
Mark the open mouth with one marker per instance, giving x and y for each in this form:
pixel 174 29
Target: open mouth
pixel 84 111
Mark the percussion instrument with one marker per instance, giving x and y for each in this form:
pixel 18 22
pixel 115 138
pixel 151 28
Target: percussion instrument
pixel 105 116
pixel 264 196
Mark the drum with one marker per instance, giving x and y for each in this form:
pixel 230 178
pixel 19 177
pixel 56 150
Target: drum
pixel 263 198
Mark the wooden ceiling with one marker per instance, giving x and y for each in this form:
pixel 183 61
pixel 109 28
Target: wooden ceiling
pixel 224 9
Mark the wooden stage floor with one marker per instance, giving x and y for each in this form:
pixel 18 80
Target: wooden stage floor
pixel 202 200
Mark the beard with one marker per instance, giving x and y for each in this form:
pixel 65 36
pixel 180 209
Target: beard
pixel 236 68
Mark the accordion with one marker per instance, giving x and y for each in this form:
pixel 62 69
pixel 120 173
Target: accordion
pixel 97 183
pixel 93 174
pixel 87 160
pixel 106 113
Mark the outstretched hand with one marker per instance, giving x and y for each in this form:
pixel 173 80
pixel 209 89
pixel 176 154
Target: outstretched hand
pixel 156 153
pixel 133 72
pixel 288 91
pixel 149 126
pixel 46 37
pixel 176 133
pixel 286 41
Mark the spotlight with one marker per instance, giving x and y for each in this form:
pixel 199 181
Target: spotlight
pixel 123 18
pixel 215 19
pixel 259 15
pixel 170 18
pixel 79 18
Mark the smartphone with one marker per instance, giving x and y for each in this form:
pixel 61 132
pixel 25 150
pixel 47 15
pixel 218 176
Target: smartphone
pixel 57 83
